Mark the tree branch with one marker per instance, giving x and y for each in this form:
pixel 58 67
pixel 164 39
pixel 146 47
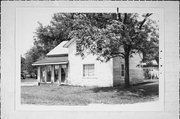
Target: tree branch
pixel 112 56
pixel 141 24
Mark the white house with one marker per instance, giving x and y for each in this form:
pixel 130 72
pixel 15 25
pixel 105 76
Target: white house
pixel 62 65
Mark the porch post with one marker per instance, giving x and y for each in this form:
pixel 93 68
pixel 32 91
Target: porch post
pixel 45 72
pixel 52 74
pixel 39 75
pixel 59 74
pixel 66 71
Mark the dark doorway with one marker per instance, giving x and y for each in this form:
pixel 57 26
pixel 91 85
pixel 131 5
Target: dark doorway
pixel 63 75
pixel 56 73
pixel 48 74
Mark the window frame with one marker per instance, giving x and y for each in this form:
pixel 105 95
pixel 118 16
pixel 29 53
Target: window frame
pixel 88 69
pixel 122 70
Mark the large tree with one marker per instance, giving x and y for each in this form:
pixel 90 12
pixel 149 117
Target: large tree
pixel 116 35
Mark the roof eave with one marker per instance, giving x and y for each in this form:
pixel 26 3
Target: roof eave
pixel 66 45
pixel 57 55
pixel 41 64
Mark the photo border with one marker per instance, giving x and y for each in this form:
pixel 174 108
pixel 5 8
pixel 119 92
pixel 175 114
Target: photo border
pixel 14 93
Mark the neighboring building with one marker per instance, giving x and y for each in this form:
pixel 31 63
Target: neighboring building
pixel 151 70
pixel 63 66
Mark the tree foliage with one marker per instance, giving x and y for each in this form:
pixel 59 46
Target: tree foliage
pixel 23 66
pixel 48 37
pixel 34 54
pixel 57 31
pixel 105 40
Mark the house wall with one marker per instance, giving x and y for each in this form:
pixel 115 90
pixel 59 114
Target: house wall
pixel 103 71
pixel 117 76
pixel 136 73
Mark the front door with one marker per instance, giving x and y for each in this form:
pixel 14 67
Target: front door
pixel 48 73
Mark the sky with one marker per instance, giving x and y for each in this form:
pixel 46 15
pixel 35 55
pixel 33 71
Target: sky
pixel 27 22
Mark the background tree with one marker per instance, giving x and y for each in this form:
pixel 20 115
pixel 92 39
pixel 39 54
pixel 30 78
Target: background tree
pixel 34 54
pixel 48 37
pixel 23 66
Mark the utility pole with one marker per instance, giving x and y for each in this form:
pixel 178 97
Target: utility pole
pixel 118 15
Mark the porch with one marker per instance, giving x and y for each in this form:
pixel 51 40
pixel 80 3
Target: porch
pixel 52 70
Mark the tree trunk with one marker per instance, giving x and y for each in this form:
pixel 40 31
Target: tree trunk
pixel 127 71
pixel 126 58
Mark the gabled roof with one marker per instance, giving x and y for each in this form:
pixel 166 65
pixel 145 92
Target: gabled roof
pixel 58 55
pixel 66 45
pixel 51 61
pixel 58 50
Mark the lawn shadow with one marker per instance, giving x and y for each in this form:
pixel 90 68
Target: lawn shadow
pixel 143 83
pixel 141 89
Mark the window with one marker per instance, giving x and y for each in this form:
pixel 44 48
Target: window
pixel 88 70
pixel 122 70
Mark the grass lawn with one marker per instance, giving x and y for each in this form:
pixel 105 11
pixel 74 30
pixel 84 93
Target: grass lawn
pixel 73 95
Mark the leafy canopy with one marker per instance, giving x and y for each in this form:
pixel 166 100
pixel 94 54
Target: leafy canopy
pixel 111 35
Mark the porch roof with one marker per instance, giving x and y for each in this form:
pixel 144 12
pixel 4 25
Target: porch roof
pixel 52 61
